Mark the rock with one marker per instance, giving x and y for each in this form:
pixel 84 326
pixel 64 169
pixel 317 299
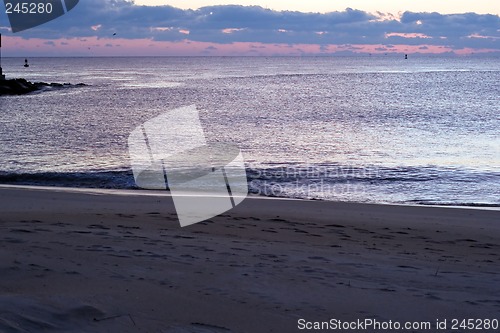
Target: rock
pixel 16 87
pixel 22 86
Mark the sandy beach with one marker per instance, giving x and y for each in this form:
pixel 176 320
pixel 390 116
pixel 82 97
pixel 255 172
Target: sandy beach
pixel 118 261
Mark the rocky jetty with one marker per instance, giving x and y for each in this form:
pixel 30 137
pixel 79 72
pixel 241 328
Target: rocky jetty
pixel 22 86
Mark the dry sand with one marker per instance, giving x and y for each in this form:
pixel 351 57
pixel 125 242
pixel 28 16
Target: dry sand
pixel 110 261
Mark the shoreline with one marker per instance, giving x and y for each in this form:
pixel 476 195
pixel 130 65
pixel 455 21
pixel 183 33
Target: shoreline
pixel 142 192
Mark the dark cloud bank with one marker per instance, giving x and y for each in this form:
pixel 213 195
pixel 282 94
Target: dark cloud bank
pixel 256 24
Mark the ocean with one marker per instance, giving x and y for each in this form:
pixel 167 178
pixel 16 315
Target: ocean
pixel 378 129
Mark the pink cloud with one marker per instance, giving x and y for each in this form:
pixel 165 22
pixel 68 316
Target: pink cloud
pixel 161 29
pixel 93 46
pixel 406 35
pixel 231 30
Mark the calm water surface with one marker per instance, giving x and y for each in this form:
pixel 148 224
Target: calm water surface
pixel 369 129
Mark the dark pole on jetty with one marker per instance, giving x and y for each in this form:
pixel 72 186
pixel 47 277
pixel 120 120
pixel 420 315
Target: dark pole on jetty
pixel 2 77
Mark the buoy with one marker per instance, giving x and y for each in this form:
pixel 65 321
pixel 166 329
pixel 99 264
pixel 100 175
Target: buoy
pixel 26 63
pixel 406 56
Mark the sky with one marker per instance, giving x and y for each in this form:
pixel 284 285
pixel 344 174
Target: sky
pixel 323 6
pixel 261 28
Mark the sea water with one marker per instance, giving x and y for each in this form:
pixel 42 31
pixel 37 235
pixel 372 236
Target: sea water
pixel 369 129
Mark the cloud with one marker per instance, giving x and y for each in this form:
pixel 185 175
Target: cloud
pixel 253 24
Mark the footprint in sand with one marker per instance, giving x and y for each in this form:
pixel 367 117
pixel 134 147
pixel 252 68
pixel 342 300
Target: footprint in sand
pixel 97 226
pixel 13 240
pixel 129 216
pixel 21 231
pixel 128 227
